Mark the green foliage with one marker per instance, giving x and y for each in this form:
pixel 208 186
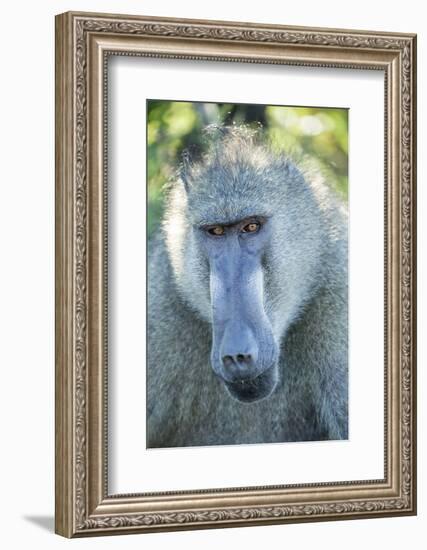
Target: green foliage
pixel 320 134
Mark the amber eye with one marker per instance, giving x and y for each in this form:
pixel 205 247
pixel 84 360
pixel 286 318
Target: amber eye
pixel 218 230
pixel 252 227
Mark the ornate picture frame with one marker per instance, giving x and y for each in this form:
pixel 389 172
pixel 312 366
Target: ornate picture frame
pixel 84 42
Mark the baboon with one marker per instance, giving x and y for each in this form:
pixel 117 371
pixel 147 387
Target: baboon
pixel 247 301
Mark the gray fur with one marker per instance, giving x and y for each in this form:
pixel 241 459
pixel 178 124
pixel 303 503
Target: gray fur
pixel 305 298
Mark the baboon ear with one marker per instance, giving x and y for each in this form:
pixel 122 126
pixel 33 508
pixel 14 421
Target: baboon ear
pixel 185 169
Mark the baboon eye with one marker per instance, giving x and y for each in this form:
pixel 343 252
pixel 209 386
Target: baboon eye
pixel 252 227
pixel 218 230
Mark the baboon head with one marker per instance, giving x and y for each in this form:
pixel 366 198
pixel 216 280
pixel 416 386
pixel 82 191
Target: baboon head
pixel 241 234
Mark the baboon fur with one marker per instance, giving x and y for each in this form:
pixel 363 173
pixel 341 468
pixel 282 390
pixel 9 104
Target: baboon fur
pixel 305 297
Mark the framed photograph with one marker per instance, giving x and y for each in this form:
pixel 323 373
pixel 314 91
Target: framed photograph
pixel 235 274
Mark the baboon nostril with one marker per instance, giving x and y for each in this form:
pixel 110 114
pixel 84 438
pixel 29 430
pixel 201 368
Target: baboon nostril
pixel 227 360
pixel 244 359
pixel 239 359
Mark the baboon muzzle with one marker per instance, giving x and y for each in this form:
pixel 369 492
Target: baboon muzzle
pixel 244 352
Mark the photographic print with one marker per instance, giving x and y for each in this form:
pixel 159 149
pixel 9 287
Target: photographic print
pixel 247 274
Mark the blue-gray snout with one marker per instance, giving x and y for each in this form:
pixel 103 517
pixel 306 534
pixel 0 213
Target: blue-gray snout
pixel 243 344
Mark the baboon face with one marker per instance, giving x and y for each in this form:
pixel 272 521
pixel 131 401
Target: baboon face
pixel 232 232
pixel 244 352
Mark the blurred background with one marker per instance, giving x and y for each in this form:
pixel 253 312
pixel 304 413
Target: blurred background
pixel 320 134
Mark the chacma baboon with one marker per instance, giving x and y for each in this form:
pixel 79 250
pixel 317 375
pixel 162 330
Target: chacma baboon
pixel 247 301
